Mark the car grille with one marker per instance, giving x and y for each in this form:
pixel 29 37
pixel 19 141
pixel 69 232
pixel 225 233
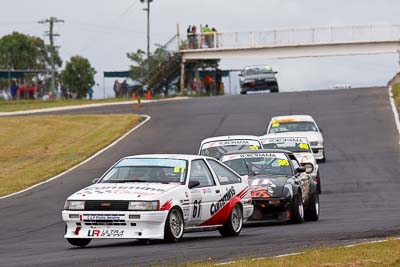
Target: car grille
pixel 314 143
pixel 106 205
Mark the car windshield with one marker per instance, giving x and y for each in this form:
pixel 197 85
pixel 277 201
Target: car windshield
pixel 299 145
pixel 219 148
pixel 293 126
pixel 257 70
pixel 147 170
pixel 259 164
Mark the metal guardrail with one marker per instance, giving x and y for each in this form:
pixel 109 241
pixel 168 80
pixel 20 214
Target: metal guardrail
pixel 293 37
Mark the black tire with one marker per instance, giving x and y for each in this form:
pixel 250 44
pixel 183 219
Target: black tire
pixel 174 225
pixel 312 211
pixel 275 89
pixel 79 242
pixel 243 92
pixel 234 224
pixel 318 183
pixel 297 210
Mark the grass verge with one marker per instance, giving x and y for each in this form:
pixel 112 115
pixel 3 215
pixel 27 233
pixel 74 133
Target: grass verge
pixel 35 148
pixel 17 105
pixel 396 93
pixel 377 254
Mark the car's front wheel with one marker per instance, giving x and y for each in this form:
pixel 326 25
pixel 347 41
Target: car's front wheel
pixel 234 224
pixel 79 242
pixel 174 225
pixel 312 212
pixel 297 210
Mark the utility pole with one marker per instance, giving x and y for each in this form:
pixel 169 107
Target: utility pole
pixel 147 9
pixel 53 48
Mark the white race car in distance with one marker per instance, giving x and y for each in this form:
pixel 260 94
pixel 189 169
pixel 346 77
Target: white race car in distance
pixel 301 149
pixel 158 197
pixel 217 147
pixel 300 126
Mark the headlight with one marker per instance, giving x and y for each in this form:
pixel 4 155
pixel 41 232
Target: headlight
pixel 74 205
pixel 314 143
pixel 309 167
pixel 144 205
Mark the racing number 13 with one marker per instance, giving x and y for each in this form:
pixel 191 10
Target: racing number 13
pixel 196 208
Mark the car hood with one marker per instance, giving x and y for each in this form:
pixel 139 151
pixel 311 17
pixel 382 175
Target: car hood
pixel 259 76
pixel 311 136
pixel 126 191
pixel 272 184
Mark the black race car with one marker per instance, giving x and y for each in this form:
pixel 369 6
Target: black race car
pixel 281 188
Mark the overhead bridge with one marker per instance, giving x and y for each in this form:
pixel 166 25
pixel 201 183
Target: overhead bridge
pixel 293 43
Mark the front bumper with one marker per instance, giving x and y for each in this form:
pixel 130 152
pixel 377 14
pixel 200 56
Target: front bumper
pixel 270 210
pixel 115 224
pixel 318 152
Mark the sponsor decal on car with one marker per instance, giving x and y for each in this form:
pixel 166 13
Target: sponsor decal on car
pixel 220 203
pixel 282 140
pixel 232 143
pixel 105 233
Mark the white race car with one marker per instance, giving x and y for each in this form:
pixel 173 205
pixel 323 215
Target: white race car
pixel 301 126
pixel 301 150
pixel 217 147
pixel 158 197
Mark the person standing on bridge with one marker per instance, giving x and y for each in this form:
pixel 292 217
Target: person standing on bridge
pixel 206 31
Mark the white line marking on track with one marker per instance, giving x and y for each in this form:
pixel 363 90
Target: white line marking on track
pixel 43 110
pixel 147 118
pixel 394 109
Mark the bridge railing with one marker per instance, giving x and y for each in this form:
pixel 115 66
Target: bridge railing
pixel 293 37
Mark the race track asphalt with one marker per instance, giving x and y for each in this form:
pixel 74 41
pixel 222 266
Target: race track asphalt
pixel 360 181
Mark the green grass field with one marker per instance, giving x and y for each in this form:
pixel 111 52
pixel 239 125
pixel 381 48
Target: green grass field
pixel 396 93
pixel 35 148
pixel 367 255
pixel 17 105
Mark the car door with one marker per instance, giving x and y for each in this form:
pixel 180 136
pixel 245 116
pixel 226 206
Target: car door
pixel 303 178
pixel 202 196
pixel 230 182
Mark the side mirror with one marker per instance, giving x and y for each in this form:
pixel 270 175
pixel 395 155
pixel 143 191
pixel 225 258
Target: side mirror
pixel 275 72
pixel 301 169
pixel 320 129
pixel 95 180
pixel 193 184
pixel 240 75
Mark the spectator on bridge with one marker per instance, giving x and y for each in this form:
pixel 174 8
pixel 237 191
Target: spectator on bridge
pixel 194 37
pixel 116 88
pixel 206 35
pixel 13 89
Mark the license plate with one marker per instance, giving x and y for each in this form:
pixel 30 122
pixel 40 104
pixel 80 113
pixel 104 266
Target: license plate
pixel 102 217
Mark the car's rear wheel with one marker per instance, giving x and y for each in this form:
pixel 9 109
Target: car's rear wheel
pixel 234 224
pixel 312 212
pixel 297 210
pixel 243 92
pixel 174 225
pixel 79 242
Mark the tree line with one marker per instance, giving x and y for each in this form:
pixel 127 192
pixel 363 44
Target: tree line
pixel 19 51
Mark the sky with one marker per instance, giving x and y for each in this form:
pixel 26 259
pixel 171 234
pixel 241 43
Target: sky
pixel 105 30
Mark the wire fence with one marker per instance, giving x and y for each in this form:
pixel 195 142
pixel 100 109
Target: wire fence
pixel 293 37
